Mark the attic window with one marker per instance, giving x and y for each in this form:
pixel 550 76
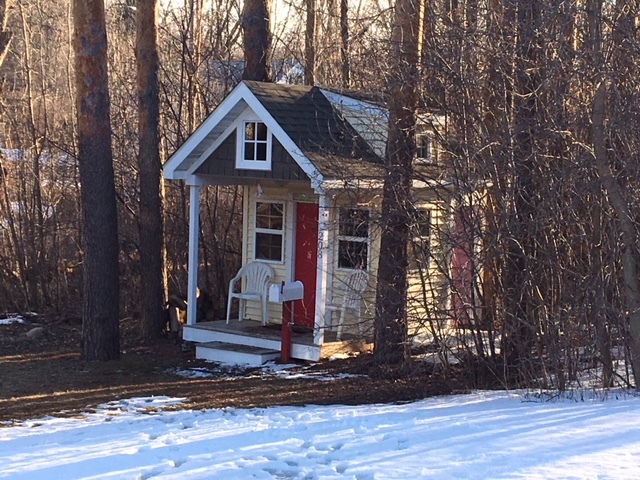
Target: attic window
pixel 254 146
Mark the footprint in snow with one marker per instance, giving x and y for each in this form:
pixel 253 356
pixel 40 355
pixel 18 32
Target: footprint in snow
pixel 341 468
pixel 177 463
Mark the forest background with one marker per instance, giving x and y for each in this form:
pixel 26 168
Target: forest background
pixel 541 102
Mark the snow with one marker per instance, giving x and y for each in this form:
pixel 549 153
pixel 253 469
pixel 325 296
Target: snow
pixel 287 371
pixel 497 435
pixel 13 318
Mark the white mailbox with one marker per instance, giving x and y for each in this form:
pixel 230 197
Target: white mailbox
pixel 275 293
pixel 286 292
pixel 292 291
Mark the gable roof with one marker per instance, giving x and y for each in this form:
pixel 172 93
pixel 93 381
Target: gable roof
pixel 323 132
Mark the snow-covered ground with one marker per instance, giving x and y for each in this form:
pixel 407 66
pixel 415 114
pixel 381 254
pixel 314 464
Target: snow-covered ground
pixel 485 435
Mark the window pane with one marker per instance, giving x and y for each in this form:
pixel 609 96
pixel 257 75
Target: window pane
pixel 250 131
pixel 419 254
pixel 423 146
pixel 277 216
pixel 352 254
pixel 269 246
pixel 269 215
pixel 261 153
pixel 249 151
pixel 423 220
pixel 354 222
pixel 262 132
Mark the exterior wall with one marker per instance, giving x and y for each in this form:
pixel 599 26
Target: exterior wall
pixel 337 275
pixel 428 296
pixel 222 163
pixel 428 292
pixel 283 269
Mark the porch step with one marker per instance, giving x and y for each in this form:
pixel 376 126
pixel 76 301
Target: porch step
pixel 235 354
pixel 250 333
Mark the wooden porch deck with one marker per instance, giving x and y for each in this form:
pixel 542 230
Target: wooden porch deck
pixel 253 333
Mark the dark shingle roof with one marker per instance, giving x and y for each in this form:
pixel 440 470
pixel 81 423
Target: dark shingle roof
pixel 318 129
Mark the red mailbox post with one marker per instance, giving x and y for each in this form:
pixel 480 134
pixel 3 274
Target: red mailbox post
pixel 286 293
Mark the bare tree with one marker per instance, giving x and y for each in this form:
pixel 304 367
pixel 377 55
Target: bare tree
pixel 309 44
pixel 100 317
pixel 344 44
pixel 257 40
pixel 520 321
pixel 612 147
pixel 5 35
pixel 152 278
pixel 391 328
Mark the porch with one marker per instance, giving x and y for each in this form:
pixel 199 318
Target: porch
pixel 249 342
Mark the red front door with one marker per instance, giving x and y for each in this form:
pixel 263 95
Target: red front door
pixel 306 262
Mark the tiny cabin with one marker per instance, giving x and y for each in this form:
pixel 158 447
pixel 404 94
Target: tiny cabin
pixel 311 165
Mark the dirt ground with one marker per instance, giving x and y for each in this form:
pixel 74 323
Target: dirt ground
pixel 41 373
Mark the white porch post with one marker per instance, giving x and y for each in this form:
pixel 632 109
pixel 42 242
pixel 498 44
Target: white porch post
pixel 194 224
pixel 322 279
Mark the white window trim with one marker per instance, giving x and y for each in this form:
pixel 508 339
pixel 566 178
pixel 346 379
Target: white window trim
pixel 257 230
pixel 241 163
pixel 348 238
pixel 430 159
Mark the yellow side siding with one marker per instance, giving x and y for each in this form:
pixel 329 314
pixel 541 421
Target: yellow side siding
pixel 371 202
pixel 428 290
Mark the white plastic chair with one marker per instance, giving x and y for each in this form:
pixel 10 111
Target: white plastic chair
pixel 352 288
pixel 257 276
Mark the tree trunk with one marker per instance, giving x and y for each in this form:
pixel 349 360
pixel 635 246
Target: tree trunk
pixel 257 40
pixel 309 44
pixel 519 326
pixel 391 329
pixel 5 35
pixel 100 316
pixel 344 44
pixel 152 284
pixel 629 232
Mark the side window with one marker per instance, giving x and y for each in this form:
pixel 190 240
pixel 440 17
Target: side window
pixel 353 238
pixel 269 231
pixel 254 146
pixel 426 150
pixel 423 147
pixel 420 242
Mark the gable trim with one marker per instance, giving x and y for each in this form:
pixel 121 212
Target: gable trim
pixel 218 141
pixel 289 145
pixel 170 168
pixel 240 93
